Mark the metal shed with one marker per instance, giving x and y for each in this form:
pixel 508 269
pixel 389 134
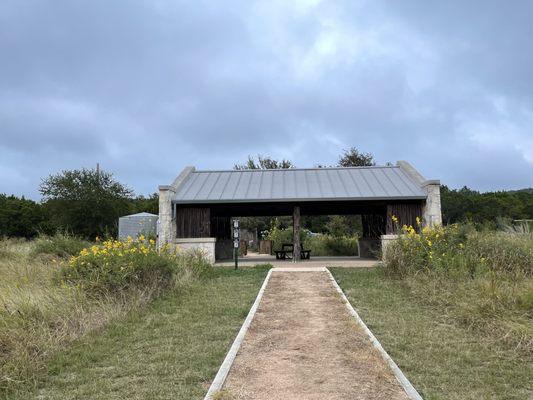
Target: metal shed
pixel 137 224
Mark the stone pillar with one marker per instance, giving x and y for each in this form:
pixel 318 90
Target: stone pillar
pixel 296 234
pixel 166 222
pixel 431 211
pixel 385 241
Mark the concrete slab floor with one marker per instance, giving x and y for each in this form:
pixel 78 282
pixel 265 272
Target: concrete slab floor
pixel 344 262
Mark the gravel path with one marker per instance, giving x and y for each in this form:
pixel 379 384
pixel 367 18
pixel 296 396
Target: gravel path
pixel 303 344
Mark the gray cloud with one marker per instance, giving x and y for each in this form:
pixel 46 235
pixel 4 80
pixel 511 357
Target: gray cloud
pixel 147 87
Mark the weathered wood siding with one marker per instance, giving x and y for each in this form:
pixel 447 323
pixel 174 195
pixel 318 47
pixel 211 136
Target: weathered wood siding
pixel 221 227
pixel 193 222
pixel 406 214
pixel 373 225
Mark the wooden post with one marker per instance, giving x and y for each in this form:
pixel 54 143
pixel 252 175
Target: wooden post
pixel 296 234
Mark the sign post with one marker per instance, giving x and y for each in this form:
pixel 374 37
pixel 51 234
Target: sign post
pixel 236 236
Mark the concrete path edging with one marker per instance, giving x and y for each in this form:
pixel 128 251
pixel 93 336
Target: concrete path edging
pixel 402 379
pixel 223 371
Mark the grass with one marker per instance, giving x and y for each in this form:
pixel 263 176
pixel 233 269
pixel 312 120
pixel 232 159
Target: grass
pixel 48 299
pixel 39 317
pixel 59 245
pixel 481 279
pixel 443 358
pixel 172 349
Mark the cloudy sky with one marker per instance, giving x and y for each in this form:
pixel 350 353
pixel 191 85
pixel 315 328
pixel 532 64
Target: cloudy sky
pixel 148 87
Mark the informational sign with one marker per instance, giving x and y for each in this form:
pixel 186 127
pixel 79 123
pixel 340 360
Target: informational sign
pixel 236 237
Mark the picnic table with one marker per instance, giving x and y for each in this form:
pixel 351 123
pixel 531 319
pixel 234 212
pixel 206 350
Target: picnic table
pixel 287 252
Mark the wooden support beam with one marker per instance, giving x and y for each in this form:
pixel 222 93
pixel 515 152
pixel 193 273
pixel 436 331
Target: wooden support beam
pixel 296 233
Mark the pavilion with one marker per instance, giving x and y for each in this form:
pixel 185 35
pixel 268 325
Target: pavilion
pixel 195 211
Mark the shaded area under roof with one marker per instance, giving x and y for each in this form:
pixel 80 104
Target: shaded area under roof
pixel 301 185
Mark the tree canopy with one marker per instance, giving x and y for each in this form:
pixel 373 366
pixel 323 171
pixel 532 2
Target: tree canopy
pixel 20 217
pixel 469 205
pixel 264 162
pixel 354 158
pixel 86 201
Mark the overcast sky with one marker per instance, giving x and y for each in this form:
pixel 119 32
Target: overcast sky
pixel 148 87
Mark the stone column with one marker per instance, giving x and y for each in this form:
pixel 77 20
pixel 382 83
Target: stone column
pixel 431 211
pixel 166 229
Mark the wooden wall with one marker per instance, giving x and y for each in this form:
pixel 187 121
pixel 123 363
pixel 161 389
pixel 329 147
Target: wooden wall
pixel 406 214
pixel 193 222
pixel 373 225
pixel 221 227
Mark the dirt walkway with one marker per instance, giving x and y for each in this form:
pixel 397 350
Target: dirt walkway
pixel 303 344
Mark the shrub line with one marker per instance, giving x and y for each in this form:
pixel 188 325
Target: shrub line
pixel 402 379
pixel 224 369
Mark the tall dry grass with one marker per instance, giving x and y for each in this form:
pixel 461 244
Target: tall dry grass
pixel 482 280
pixel 40 314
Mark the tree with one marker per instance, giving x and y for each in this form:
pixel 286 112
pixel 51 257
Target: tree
pixel 353 158
pixel 264 162
pixel 87 202
pixel 470 205
pixel 148 204
pixel 20 217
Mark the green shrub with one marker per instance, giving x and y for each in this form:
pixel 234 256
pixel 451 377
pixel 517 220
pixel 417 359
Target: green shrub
pixel 61 244
pixel 280 236
pixel 320 245
pixel 118 265
pixel 327 245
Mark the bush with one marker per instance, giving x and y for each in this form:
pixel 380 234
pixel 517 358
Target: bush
pixel 328 245
pixel 280 236
pixel 61 245
pixel 320 245
pixel 118 265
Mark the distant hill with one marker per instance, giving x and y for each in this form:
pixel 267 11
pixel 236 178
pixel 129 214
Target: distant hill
pixel 527 190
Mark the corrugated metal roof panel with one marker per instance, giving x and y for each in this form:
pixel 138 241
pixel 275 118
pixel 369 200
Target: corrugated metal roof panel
pixel 314 184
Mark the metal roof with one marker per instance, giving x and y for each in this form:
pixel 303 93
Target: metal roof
pixel 313 184
pixel 141 214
